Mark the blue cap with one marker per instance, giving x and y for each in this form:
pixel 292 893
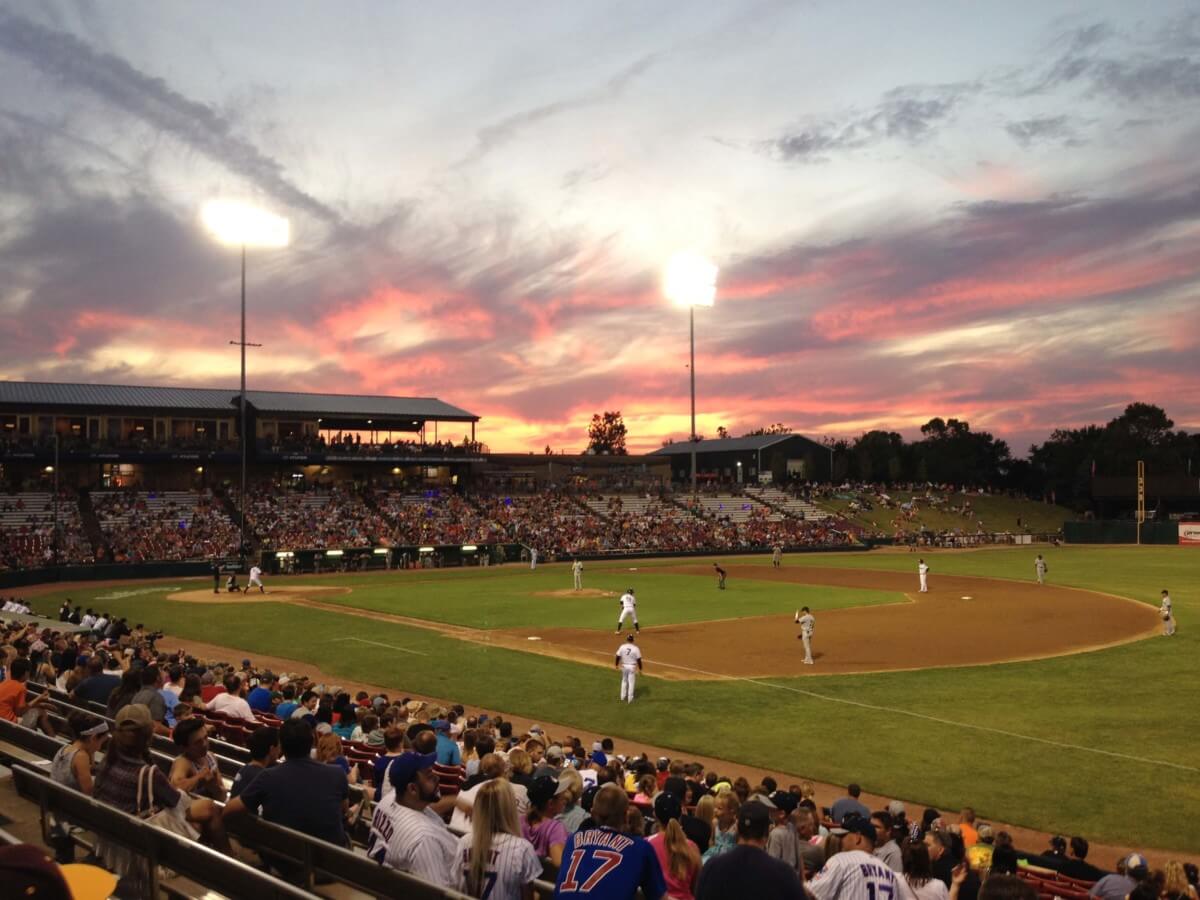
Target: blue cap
pixel 599 758
pixel 406 766
pixel 439 725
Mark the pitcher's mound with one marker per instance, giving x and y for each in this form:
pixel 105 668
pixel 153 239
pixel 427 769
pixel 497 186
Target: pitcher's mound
pixel 568 592
pixel 276 594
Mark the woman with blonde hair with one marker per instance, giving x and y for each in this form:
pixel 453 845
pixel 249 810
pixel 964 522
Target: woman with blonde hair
pixel 706 810
pixel 493 860
pixel 573 814
pixel 520 767
pixel 647 787
pixel 678 856
pixel 1175 882
pixel 725 825
pixel 329 751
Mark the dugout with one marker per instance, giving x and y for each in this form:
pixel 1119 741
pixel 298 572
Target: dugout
pixel 754 459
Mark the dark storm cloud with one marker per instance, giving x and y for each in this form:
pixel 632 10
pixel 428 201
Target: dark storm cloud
pixel 492 136
pixel 909 113
pixel 1043 129
pixel 79 66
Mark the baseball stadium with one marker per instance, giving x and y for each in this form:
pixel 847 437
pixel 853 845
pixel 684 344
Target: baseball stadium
pixel 1023 681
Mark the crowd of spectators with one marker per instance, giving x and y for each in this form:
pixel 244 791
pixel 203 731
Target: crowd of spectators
pixel 27 531
pixel 351 443
pixel 439 518
pixel 442 788
pixel 333 517
pixel 140 526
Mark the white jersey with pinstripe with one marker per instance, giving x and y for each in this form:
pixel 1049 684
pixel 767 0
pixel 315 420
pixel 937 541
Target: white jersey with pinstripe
pixel 412 841
pixel 512 864
pixel 855 875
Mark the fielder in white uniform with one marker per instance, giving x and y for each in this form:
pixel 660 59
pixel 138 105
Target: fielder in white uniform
pixel 923 574
pixel 629 661
pixel 255 580
pixel 1040 568
pixel 628 609
pixel 577 574
pixel 806 623
pixel 532 558
pixel 1168 618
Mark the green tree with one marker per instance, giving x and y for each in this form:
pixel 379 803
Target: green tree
pixel 606 434
pixel 777 428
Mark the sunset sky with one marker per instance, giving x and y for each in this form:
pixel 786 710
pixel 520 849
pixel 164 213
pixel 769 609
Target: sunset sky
pixel 982 210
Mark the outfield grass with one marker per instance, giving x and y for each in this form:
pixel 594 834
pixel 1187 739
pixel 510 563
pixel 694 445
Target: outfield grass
pixel 948 737
pixel 523 600
pixel 997 513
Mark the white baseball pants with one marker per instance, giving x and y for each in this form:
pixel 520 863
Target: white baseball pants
pixel 628 677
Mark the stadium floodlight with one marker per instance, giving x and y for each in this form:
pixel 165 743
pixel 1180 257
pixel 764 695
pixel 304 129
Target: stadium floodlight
pixel 424 549
pixel 381 551
pixel 333 552
pixel 691 280
pixel 469 548
pixel 238 224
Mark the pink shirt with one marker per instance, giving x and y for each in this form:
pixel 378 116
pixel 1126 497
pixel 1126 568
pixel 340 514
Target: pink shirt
pixel 676 888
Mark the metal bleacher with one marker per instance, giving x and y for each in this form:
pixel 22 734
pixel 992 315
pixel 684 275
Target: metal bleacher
pixel 793 506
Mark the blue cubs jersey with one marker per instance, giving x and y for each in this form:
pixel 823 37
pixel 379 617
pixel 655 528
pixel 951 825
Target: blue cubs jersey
pixel 608 865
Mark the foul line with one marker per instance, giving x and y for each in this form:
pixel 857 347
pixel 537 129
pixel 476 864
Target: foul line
pixel 377 644
pixel 940 721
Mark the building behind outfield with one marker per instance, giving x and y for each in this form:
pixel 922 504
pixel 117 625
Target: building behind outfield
pixel 755 459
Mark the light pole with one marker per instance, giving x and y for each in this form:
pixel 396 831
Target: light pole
pixel 241 225
pixel 55 551
pixel 691 280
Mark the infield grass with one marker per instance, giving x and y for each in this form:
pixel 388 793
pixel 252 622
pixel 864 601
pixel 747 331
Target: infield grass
pixel 1100 744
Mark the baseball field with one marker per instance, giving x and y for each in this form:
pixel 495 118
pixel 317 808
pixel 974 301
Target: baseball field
pixel 1057 707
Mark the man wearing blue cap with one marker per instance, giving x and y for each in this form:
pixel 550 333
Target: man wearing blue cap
pixel 405 833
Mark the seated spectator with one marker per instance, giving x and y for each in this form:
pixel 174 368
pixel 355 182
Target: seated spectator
pixel 918 872
pixel 72 764
pixel 393 747
pixel 886 848
pixel 850 804
pixel 403 836
pixel 724 826
pixel 678 857
pixel 195 770
pixel 233 703
pixel 573 813
pixel 131 683
pixel 855 873
pixel 747 870
pixel 128 776
pixel 625 862
pixel 299 793
pixel 263 746
pixel 329 751
pixel 1076 866
pixel 492 858
pixel 539 825
pixel 13 707
pixel 103 677
pixel 1131 871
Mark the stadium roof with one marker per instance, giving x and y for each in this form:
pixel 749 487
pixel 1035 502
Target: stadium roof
pixel 726 445
pixel 115 396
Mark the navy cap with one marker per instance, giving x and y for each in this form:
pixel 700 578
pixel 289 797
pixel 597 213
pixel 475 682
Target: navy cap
pixel 439 725
pixel 667 807
pixel 406 766
pixel 859 825
pixel 785 800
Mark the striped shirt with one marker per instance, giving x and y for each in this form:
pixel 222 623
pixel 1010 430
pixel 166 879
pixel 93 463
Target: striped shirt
pixel 412 841
pixel 512 864
pixel 855 875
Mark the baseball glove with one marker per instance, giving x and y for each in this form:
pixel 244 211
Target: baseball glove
pixel 1165 616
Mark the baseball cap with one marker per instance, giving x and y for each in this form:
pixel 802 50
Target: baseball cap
pixel 753 816
pixel 440 725
pixel 29 872
pixel 859 825
pixel 667 807
pixel 785 800
pixel 896 808
pixel 245 663
pixel 554 752
pixel 543 789
pixel 663 764
pixel 535 729
pixel 764 800
pixel 1135 861
pixel 134 715
pixel 324 728
pixel 406 766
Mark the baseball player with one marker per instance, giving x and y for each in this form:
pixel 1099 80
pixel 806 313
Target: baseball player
pixel 720 576
pixel 806 623
pixel 532 558
pixel 628 609
pixel 1164 610
pixel 777 556
pixel 1040 567
pixel 577 574
pixel 923 573
pixel 629 661
pixel 255 580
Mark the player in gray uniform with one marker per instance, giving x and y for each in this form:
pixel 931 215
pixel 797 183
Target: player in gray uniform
pixel 806 623
pixel 1164 610
pixel 776 556
pixel 577 574
pixel 1040 567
